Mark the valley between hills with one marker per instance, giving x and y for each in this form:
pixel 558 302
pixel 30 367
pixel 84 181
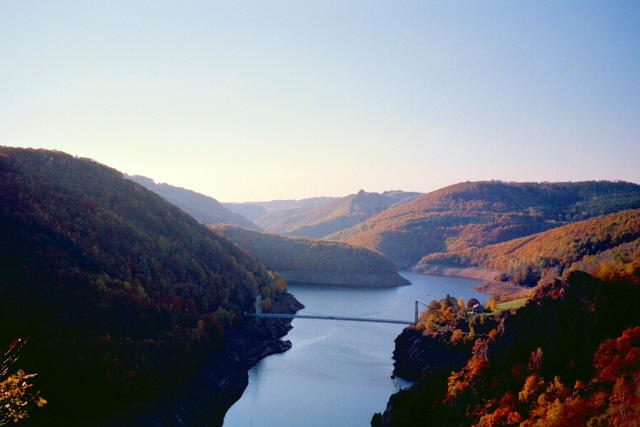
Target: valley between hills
pixel 126 296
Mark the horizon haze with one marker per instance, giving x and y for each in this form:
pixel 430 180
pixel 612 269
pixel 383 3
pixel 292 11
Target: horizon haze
pixel 258 101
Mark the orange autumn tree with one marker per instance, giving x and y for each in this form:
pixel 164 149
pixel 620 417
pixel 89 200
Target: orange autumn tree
pixel 611 398
pixel 618 363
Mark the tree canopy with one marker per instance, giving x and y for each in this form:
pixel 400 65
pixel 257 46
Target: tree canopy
pixel 300 253
pixel 120 292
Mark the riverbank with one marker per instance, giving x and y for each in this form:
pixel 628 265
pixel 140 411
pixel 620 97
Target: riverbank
pixel 311 277
pixel 469 272
pixel 489 285
pixel 205 397
pixel 503 289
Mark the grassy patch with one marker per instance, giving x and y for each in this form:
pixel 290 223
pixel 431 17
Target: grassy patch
pixel 512 304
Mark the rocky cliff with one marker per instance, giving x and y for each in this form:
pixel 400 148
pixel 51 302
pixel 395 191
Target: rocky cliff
pixel 204 399
pixel 417 356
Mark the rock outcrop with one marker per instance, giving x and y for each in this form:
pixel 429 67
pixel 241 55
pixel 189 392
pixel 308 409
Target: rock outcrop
pixel 417 355
pixel 204 399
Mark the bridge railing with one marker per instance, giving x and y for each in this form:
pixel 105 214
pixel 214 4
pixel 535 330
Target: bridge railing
pixel 314 316
pixel 260 315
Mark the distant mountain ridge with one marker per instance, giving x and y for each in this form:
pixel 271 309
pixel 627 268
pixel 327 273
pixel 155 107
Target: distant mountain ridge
pixel 476 214
pixel 254 210
pixel 203 208
pixel 334 216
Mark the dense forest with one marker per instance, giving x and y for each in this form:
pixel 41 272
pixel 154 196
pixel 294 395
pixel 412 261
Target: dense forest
pixel 284 254
pixel 569 357
pixel 121 294
pixel 607 246
pixel 477 214
pixel 333 216
pixel 203 208
pixel 300 253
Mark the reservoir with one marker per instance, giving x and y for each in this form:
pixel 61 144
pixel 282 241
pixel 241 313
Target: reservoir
pixel 338 373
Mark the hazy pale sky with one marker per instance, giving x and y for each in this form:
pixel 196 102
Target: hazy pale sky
pixel 254 101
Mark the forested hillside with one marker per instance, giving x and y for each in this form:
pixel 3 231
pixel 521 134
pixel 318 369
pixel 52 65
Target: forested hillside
pixel 476 214
pixel 293 256
pixel 122 294
pixel 607 246
pixel 569 357
pixel 203 208
pixel 333 216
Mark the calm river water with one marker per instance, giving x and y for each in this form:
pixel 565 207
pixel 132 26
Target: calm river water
pixel 338 373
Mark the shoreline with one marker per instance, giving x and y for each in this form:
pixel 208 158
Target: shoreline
pixel 373 280
pixel 489 285
pixel 204 398
pixel 469 272
pixel 502 289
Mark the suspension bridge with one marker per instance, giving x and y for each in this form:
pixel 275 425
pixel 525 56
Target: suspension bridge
pixel 260 315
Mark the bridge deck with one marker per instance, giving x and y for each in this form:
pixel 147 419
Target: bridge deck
pixel 310 316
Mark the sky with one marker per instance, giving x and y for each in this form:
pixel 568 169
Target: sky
pixel 265 100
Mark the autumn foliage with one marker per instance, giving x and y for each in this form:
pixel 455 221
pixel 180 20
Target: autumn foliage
pixel 569 357
pixel 16 396
pixel 606 246
pixel 477 214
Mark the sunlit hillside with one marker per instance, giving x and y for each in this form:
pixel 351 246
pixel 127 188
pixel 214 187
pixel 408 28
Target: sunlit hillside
pixel 607 246
pixel 476 214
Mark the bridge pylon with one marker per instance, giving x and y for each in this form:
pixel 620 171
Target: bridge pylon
pixel 258 307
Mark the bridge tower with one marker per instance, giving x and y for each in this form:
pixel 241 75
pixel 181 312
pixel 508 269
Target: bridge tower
pixel 258 307
pixel 416 322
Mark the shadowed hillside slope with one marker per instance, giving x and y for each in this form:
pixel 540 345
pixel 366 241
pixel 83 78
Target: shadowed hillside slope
pixel 123 295
pixel 301 259
pixel 201 207
pixel 333 216
pixel 250 211
pixel 254 210
pixel 476 214
pixel 278 219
